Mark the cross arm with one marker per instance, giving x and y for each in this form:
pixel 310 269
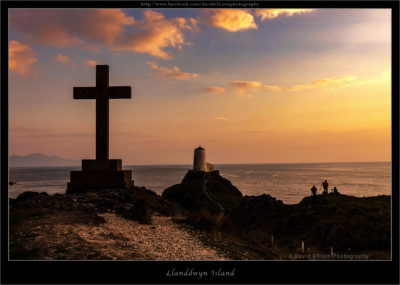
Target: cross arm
pixel 118 92
pixel 114 92
pixel 85 92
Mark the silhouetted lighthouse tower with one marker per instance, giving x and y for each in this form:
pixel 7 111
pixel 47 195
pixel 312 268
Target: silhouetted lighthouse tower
pixel 200 162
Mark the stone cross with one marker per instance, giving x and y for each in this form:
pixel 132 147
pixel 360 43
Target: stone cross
pixel 102 92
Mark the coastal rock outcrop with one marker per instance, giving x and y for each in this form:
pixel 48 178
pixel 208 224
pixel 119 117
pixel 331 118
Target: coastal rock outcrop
pixel 204 191
pixel 47 227
pixel 35 217
pixel 345 223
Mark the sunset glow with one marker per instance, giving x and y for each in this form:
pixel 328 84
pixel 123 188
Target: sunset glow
pixel 249 85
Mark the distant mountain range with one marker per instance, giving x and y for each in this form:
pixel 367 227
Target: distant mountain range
pixel 39 159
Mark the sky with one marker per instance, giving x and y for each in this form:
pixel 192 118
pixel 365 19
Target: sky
pixel 248 85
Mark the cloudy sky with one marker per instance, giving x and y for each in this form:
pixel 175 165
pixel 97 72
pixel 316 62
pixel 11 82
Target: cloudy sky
pixel 250 86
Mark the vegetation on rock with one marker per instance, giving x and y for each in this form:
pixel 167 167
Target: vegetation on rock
pixel 345 224
pixel 249 227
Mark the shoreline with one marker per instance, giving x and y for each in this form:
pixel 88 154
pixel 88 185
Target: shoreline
pixel 15 195
pixel 288 183
pixel 89 222
pixel 63 192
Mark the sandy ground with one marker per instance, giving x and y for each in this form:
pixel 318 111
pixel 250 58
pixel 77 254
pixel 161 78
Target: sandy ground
pixel 122 239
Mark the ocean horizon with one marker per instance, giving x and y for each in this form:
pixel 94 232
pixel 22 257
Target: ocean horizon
pixel 289 182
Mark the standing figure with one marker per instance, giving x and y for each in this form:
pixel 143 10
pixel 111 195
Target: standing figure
pixel 314 193
pixel 325 185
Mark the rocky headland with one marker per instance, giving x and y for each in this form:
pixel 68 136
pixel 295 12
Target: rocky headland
pixel 203 218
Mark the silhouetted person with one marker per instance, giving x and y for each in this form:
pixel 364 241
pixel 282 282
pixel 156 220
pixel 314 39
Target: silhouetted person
pixel 325 185
pixel 335 191
pixel 314 193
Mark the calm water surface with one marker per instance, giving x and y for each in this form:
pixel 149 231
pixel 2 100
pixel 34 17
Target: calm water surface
pixel 287 182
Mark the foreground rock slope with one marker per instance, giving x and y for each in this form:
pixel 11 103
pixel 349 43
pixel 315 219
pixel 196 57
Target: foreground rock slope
pixel 111 224
pixel 202 218
pixel 334 222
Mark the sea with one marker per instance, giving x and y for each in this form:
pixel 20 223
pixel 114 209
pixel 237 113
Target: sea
pixel 287 182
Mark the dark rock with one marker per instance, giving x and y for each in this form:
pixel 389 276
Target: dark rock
pixel 191 195
pixel 262 202
pixel 251 211
pixel 340 221
pixel 141 211
pixel 200 175
pixel 26 195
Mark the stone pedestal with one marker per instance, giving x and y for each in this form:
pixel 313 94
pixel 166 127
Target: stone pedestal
pixel 100 174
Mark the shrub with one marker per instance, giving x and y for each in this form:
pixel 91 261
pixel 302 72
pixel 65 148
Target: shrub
pixel 141 211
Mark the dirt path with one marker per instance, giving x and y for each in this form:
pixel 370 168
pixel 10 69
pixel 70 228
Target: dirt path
pixel 119 238
pixel 221 211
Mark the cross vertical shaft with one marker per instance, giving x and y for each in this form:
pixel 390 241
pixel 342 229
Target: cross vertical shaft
pixel 102 128
pixel 102 107
pixel 102 93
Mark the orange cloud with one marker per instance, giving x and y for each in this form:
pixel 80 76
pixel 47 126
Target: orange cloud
pixel 325 83
pixel 155 33
pixel 241 87
pixel 272 88
pixel 274 13
pixel 61 58
pixel 246 88
pixel 166 73
pixel 112 22
pixel 222 119
pixel 96 28
pixel 246 84
pixel 68 28
pixel 214 89
pixel 90 62
pixel 229 19
pixel 21 58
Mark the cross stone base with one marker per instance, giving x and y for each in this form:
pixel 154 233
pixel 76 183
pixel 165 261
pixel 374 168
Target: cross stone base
pixel 100 174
